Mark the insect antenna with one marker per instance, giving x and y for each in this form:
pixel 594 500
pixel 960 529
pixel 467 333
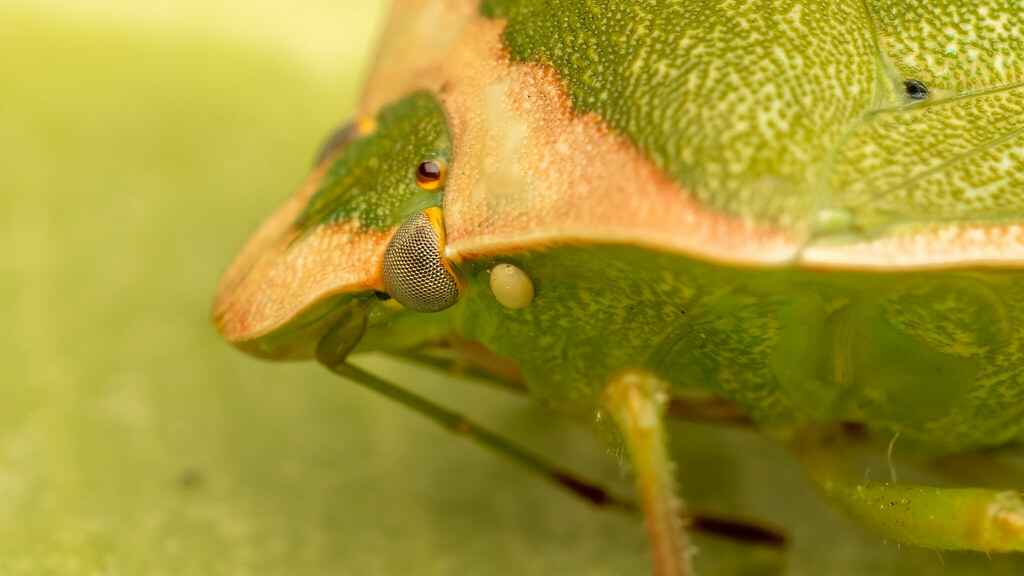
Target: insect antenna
pixel 458 424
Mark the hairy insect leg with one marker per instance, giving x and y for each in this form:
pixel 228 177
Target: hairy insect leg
pixel 636 401
pixel 348 328
pixel 944 518
pixel 737 530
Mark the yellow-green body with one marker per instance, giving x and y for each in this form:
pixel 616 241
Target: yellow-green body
pixel 785 123
pixel 749 199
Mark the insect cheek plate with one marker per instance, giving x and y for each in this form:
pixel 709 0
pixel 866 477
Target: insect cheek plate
pixel 415 271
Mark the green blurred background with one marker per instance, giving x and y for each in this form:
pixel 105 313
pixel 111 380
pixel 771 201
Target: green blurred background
pixel 140 143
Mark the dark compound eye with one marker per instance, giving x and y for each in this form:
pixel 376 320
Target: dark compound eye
pixel 916 90
pixel 415 271
pixel 429 175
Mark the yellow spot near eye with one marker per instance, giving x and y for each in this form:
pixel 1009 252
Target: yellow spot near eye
pixel 365 125
pixel 511 286
pixel 429 175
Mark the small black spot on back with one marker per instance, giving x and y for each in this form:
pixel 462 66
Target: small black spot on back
pixel 915 89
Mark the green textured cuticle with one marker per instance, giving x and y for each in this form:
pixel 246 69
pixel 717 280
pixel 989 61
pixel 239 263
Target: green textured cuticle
pixel 776 110
pixel 372 180
pixel 928 354
pixel 737 103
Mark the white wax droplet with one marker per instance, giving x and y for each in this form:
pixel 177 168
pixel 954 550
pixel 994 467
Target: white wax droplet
pixel 511 286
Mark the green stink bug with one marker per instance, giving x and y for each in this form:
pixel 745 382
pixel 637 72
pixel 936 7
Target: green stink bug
pixel 807 209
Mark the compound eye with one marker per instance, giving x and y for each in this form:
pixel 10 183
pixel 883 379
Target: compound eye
pixel 416 273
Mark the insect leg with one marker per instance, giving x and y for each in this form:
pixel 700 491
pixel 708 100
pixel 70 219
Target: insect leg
pixel 343 336
pixel 456 355
pixel 444 361
pixel 332 352
pixel 460 425
pixel 944 518
pixel 713 410
pixel 735 529
pixel 637 401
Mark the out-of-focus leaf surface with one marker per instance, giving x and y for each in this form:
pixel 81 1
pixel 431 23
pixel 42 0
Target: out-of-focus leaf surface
pixel 137 150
